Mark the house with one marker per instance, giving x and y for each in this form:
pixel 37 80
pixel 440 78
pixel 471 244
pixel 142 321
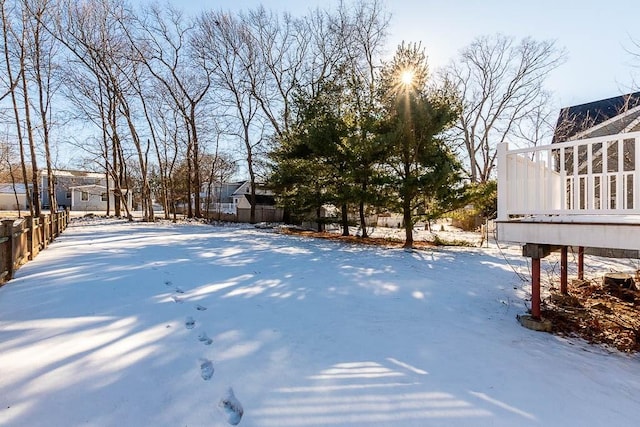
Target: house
pixel 242 196
pixel 235 198
pixel 13 197
pixel 80 190
pixel 582 191
pixel 218 196
pixel 265 204
pixel 620 114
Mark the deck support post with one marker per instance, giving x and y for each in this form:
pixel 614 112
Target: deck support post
pixel 535 288
pixel 536 253
pixel 563 270
pixel 534 320
pixel 581 263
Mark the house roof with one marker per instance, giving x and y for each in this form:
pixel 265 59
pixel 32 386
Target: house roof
pixel 262 199
pixel 74 173
pixel 9 188
pixel 244 188
pixel 88 186
pixel 94 186
pixel 578 119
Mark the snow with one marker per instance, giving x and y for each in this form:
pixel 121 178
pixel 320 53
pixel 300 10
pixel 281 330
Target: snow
pixel 97 331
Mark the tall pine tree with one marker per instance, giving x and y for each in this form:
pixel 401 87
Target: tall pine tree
pixel 312 165
pixel 423 172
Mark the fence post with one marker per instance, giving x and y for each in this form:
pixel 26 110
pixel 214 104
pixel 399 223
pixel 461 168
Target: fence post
pixel 38 236
pixel 32 224
pixel 7 231
pixel 54 226
pixel 44 230
pixel 50 228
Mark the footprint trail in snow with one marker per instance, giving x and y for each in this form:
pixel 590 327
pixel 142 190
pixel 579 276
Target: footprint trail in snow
pixel 203 338
pixel 206 369
pixel 190 323
pixel 231 407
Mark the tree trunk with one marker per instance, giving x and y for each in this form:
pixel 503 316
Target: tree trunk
pixel 189 182
pixel 35 190
pixel 13 184
pixel 319 219
pixel 363 219
pixel 408 223
pixel 115 165
pixel 345 220
pixel 252 216
pixel 51 188
pixel 13 84
pixel 196 161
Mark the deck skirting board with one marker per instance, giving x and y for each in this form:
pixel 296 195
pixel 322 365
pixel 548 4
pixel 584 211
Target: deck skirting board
pixel 587 234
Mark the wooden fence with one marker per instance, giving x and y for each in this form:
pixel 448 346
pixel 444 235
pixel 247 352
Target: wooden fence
pixel 22 239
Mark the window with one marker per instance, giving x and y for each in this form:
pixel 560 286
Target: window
pixel 104 197
pixel 68 194
pixel 85 196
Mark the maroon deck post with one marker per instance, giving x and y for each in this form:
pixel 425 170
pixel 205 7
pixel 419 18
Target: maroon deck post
pixel 581 262
pixel 535 288
pixel 563 270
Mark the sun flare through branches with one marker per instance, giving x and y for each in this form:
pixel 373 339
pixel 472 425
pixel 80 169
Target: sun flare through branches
pixel 406 77
pixel 406 80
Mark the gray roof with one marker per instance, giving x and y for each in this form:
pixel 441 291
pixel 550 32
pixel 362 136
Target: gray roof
pixel 578 118
pixel 9 188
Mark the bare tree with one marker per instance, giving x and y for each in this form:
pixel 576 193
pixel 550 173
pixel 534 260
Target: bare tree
pixel 163 46
pixel 8 84
pixel 221 168
pixel 501 82
pixel 227 47
pixel 281 46
pixel 14 42
pixel 167 147
pixel 633 50
pixel 363 29
pixel 87 30
pixel 42 50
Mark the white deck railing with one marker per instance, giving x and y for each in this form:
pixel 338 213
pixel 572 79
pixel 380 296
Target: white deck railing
pixel 583 177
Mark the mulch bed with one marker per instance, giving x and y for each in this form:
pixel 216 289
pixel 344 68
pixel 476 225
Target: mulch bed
pixel 597 313
pixel 374 241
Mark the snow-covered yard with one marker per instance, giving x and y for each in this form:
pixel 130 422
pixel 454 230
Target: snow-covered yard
pixel 131 324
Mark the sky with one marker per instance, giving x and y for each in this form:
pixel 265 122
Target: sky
pixel 596 34
pixel 160 324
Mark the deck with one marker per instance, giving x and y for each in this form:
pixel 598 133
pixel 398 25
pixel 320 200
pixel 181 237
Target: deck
pixel 578 193
pixel 583 193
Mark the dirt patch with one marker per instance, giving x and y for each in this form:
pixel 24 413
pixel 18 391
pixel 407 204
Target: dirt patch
pixel 600 314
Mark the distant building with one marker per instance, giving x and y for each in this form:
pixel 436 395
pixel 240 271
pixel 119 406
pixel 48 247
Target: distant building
pixel 235 198
pixel 242 196
pixel 13 197
pixel 218 197
pixel 80 190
